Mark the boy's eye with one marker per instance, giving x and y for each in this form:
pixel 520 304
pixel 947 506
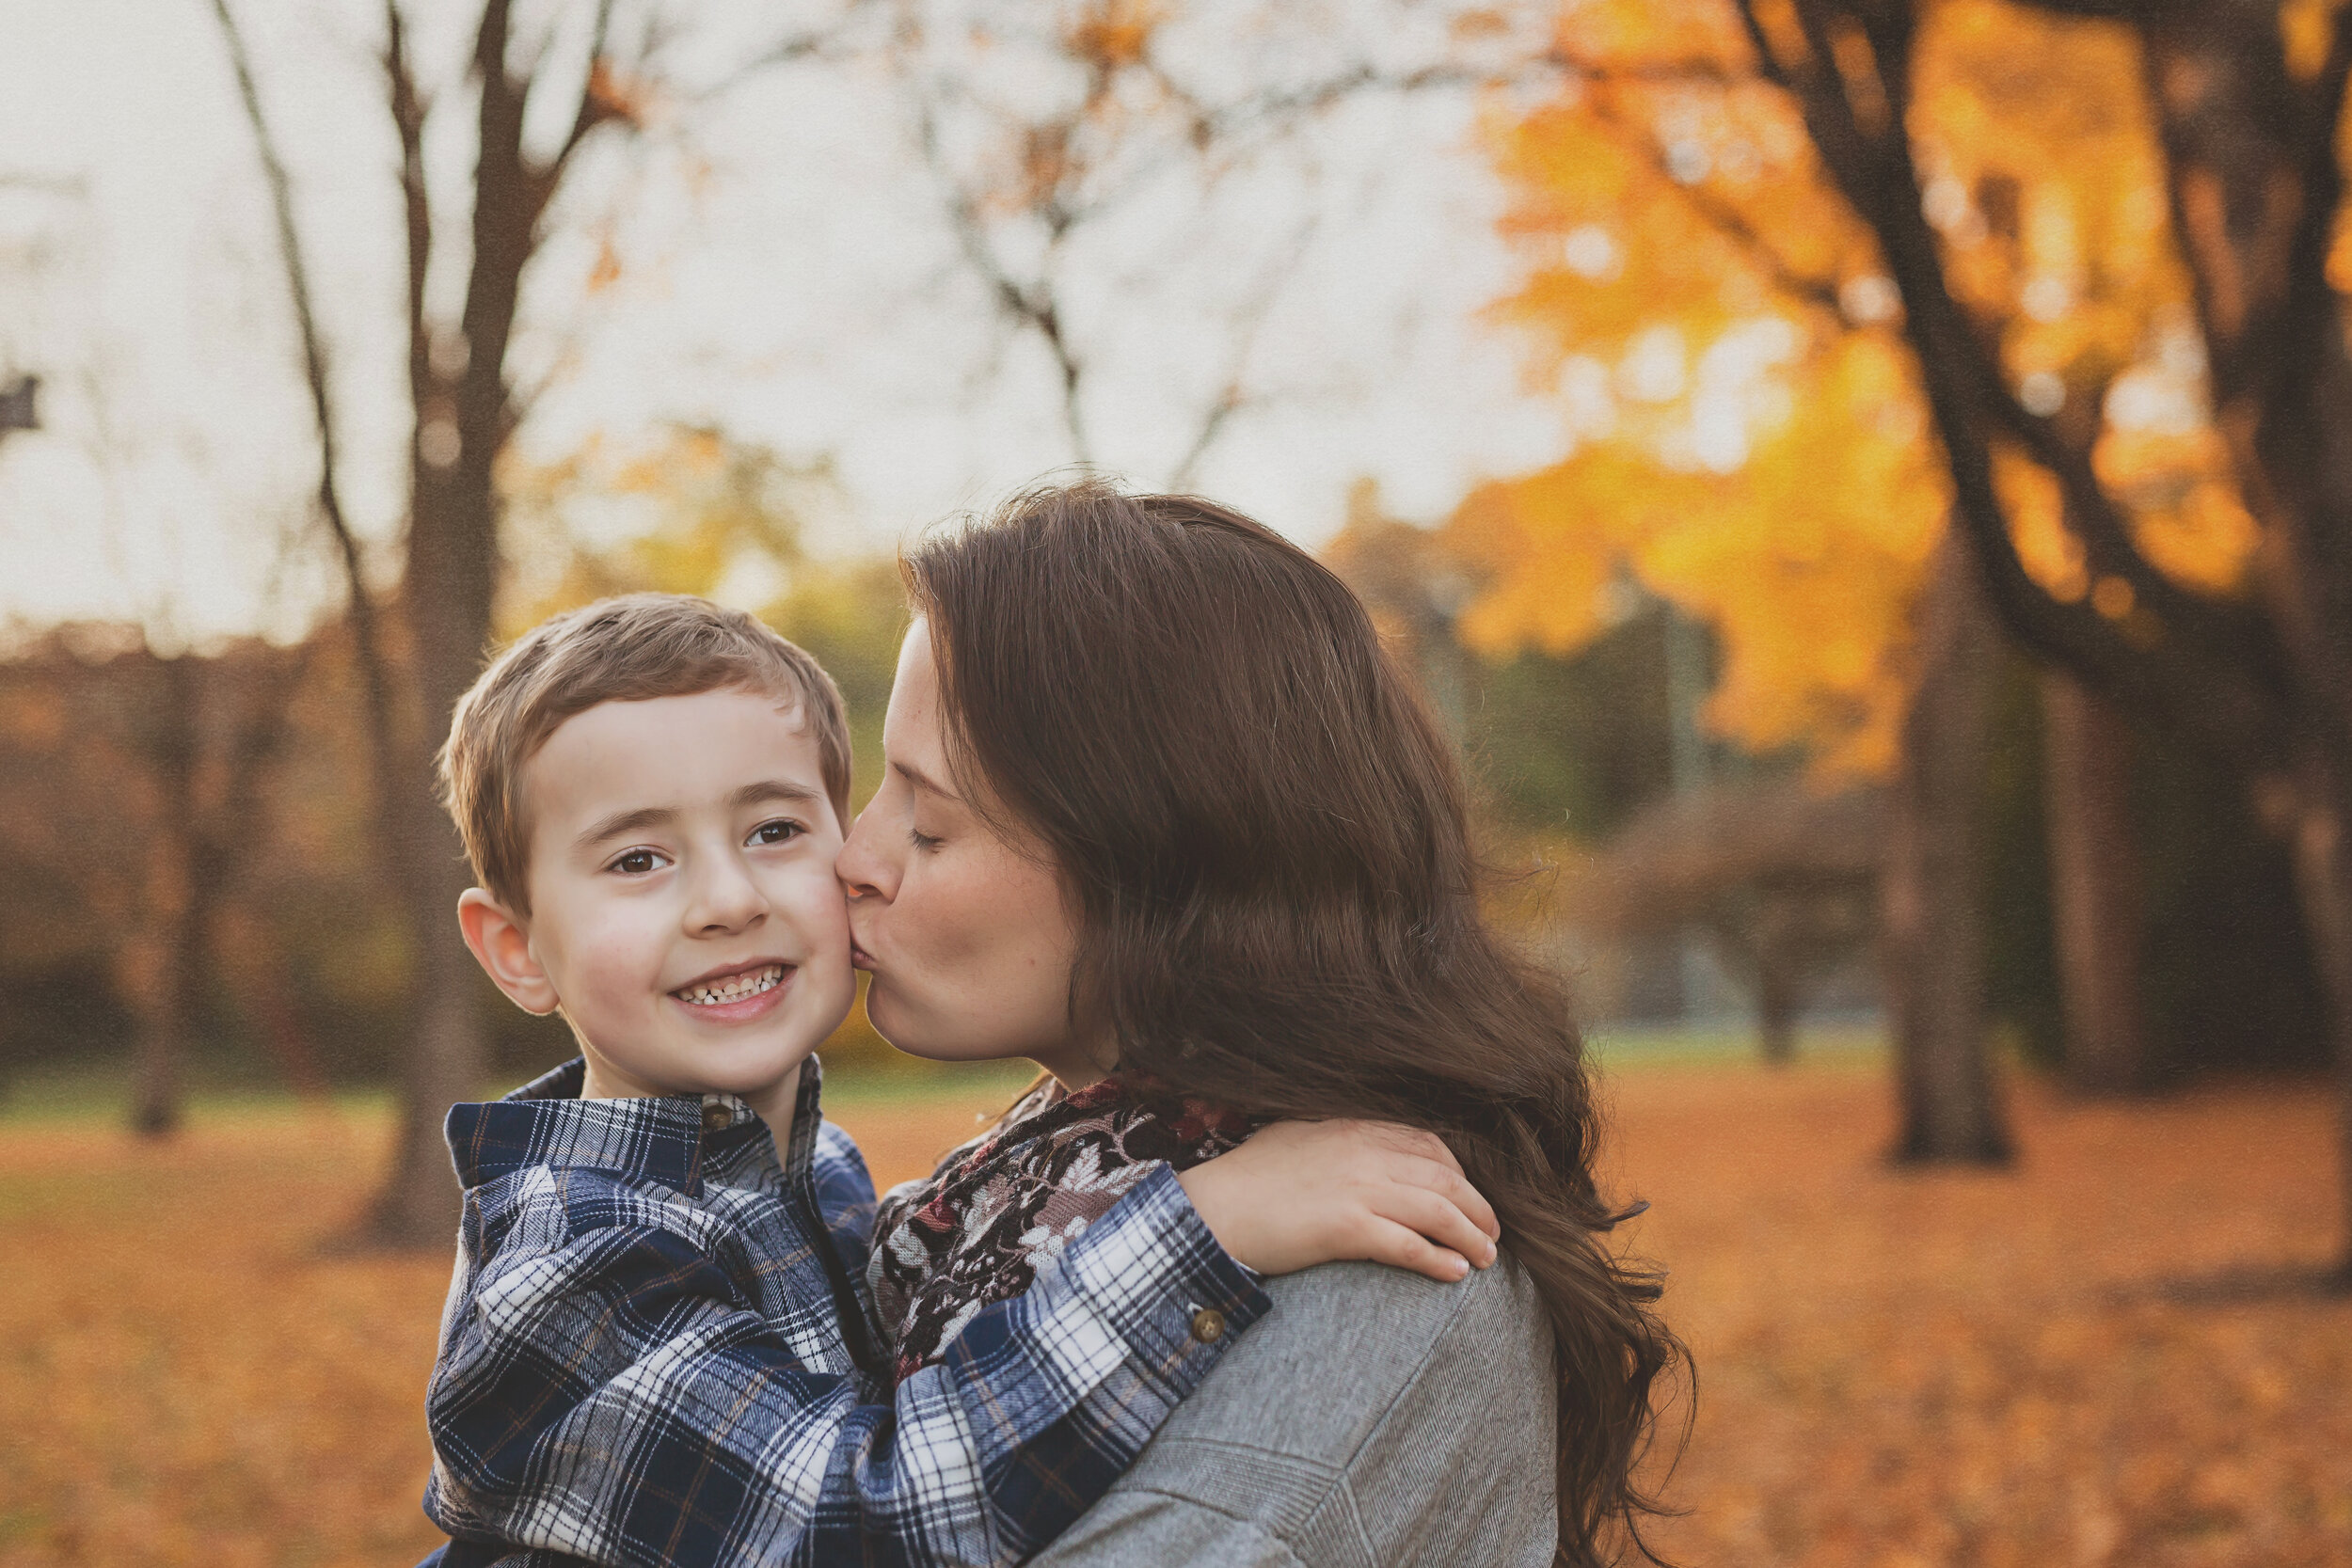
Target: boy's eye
pixel 636 863
pixel 780 832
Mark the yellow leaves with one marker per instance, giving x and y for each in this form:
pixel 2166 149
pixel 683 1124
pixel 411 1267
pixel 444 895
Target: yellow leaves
pixel 607 268
pixel 2188 518
pixel 2304 29
pixel 1791 500
pixel 1806 558
pixel 1653 31
pixel 1112 35
pixel 1550 544
pixel 621 95
pixel 1480 24
pixel 2049 551
pixel 1620 195
pixel 689 513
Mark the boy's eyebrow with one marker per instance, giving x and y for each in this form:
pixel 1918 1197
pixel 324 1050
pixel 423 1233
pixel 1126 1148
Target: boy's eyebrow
pixel 774 789
pixel 654 817
pixel 624 822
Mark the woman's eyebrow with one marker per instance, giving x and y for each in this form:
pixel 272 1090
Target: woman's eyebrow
pixel 920 780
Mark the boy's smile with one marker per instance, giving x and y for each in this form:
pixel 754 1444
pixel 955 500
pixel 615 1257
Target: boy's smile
pixel 744 990
pixel 684 913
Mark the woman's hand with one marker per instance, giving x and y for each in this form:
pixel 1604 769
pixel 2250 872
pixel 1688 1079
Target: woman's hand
pixel 1302 1193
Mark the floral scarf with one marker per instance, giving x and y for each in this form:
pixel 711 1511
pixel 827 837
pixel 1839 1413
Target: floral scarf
pixel 1008 1202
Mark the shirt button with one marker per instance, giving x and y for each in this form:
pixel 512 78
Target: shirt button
pixel 1208 1325
pixel 716 1116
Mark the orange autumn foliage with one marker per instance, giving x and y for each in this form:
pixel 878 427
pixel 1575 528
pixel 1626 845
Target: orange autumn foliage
pixel 1746 435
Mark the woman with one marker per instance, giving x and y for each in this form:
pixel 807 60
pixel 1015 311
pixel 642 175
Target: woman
pixel 1159 808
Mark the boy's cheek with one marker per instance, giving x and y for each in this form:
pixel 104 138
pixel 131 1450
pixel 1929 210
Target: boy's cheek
pixel 618 958
pixel 820 906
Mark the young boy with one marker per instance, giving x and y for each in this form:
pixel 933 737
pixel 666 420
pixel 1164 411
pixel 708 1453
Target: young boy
pixel 657 1348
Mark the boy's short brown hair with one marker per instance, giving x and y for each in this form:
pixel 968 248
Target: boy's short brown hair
pixel 629 649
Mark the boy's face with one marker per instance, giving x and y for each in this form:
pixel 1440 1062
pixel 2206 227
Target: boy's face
pixel 683 905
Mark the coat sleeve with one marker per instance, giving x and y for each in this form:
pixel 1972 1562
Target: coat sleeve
pixel 604 1390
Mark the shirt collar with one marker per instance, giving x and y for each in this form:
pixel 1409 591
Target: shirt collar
pixel 676 1140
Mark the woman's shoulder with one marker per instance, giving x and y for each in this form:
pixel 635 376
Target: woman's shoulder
pixel 1370 1341
pixel 1399 1328
pixel 1374 1416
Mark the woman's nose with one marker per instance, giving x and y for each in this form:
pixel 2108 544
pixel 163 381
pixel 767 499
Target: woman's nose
pixel 865 873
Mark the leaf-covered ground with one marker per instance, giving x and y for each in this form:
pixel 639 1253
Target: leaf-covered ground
pixel 2076 1362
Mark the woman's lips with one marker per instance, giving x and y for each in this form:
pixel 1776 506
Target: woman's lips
pixel 859 957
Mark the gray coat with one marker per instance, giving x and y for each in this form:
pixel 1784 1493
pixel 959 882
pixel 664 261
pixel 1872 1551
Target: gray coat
pixel 1372 1419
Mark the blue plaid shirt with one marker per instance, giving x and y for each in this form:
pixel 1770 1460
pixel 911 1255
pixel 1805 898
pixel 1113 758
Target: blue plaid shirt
pixel 658 1350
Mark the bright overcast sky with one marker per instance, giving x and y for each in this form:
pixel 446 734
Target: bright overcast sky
pixel 803 290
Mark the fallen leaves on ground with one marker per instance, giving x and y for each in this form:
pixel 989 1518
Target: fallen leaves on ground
pixel 2084 1360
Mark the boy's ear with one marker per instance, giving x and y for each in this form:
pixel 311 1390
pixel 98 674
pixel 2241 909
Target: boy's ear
pixel 502 947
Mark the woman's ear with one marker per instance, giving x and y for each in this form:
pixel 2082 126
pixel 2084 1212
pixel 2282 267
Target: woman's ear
pixel 501 945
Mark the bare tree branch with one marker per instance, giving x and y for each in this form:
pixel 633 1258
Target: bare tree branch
pixel 409 108
pixel 1031 307
pixel 366 633
pixel 790 51
pixel 1072 182
pixel 598 101
pixel 1233 393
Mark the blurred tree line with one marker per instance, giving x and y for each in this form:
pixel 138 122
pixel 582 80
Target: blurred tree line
pixel 195 879
pixel 194 882
pixel 1778 868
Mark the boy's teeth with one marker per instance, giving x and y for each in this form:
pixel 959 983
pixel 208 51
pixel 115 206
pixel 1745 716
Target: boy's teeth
pixel 735 987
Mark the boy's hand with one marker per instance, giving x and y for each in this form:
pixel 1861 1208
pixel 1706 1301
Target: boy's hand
pixel 1302 1193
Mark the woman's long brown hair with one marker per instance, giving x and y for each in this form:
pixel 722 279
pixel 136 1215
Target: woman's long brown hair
pixel 1265 840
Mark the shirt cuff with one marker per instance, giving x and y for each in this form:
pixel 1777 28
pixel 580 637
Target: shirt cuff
pixel 1152 1271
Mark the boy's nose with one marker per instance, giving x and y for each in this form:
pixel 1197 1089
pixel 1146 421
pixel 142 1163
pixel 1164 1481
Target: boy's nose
pixel 725 898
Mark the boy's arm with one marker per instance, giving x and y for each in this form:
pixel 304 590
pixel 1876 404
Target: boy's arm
pixel 845 1193
pixel 608 1391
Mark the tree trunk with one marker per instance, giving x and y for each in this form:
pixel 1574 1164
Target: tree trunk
pixel 245 952
pixel 446 1058
pixel 1776 1012
pixel 462 423
pixel 1779 973
pixel 174 911
pixel 2257 186
pixel 2323 872
pixel 1934 906
pixel 163 1029
pixel 2096 893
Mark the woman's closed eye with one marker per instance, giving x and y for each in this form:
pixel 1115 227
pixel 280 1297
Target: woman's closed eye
pixel 922 840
